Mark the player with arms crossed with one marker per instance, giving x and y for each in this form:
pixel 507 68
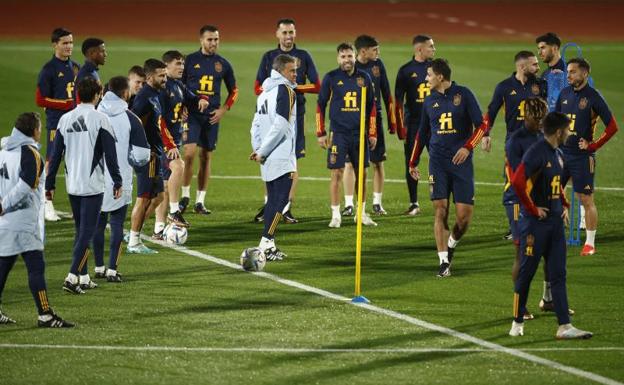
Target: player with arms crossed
pixel 55 93
pixel 584 105
pixel 446 129
pixel 342 90
pixel 410 90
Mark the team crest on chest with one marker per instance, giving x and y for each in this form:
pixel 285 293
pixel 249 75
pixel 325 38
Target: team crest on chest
pixel 360 82
pixel 535 89
pixel 75 69
pixel 457 100
pixel 218 67
pixel 583 103
pixel 298 62
pixel 375 71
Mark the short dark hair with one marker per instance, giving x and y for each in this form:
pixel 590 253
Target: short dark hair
pixel 555 121
pixel 27 122
pixel 280 61
pixel 365 41
pixel 523 55
pixel 170 56
pixel 137 70
pixel 345 46
pixel 285 21
pixel 550 38
pixel 118 85
pixel 88 88
pixel 58 33
pixel 441 67
pixel 91 42
pixel 208 28
pixel 420 39
pixel 582 63
pixel 151 65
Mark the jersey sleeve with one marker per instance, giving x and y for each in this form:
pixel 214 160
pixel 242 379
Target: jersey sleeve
pixel 263 73
pixel 498 99
pixel 44 96
pixel 321 105
pixel 399 93
pixel 371 109
pixel 422 138
pixel 524 177
pixel 601 109
pixel 230 84
pixel 386 95
pixel 476 119
pixel 315 84
pixel 138 148
pixel 30 166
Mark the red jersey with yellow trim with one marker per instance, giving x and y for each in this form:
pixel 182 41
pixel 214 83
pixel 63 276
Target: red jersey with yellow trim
pixel 55 89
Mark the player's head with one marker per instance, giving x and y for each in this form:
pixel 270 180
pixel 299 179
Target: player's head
pixel 89 90
pixel 136 79
pixel 556 125
pixel 424 49
pixel 535 109
pixel 29 124
pixel 367 47
pixel 209 39
pixel 287 66
pixel 155 73
pixel 286 33
pixel 526 63
pixel 175 64
pixel 62 42
pixel 548 46
pixel 578 72
pixel 119 86
pixel 438 72
pixel 346 56
pixel 94 50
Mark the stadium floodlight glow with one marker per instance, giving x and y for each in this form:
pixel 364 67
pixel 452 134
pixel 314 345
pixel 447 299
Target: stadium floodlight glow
pixel 359 298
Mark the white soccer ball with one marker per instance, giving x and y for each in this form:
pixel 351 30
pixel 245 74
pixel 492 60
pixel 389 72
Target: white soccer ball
pixel 175 235
pixel 253 259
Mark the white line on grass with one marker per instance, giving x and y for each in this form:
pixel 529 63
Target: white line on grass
pixel 409 319
pixel 208 349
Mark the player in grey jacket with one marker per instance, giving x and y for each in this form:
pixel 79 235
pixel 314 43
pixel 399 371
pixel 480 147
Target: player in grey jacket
pixel 273 135
pixel 21 213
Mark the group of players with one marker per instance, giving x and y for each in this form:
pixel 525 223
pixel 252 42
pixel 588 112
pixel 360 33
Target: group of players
pixel 145 118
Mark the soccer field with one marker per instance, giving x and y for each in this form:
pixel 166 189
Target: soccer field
pixel 188 314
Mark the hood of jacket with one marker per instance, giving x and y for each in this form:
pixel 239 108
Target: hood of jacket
pixel 275 80
pixel 112 105
pixel 17 139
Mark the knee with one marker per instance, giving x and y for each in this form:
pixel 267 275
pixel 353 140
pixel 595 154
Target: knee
pixel 441 213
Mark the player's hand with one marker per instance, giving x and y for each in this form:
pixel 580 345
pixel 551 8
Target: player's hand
pixel 372 143
pixel 566 217
pixel 486 143
pixel 173 154
pixel 461 155
pixel 256 158
pixel 542 212
pixel 217 115
pixel 49 195
pixel 415 173
pixel 117 193
pixel 583 144
pixel 322 141
pixel 202 105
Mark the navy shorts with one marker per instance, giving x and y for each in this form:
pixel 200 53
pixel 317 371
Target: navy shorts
pixel 446 178
pixel 149 179
pixel 343 148
pixel 300 140
pixel 378 154
pixel 581 169
pixel 513 215
pixel 201 132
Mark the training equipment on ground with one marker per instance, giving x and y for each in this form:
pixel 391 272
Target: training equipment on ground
pixel 175 235
pixel 253 259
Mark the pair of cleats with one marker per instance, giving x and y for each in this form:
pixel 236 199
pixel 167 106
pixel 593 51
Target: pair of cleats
pixel 274 254
pixel 199 207
pixel 564 332
pixel 287 217
pixel 117 278
pixel 588 250
pixel 349 211
pixel 78 288
pixel 366 221
pixel 412 210
pixel 445 268
pixel 53 322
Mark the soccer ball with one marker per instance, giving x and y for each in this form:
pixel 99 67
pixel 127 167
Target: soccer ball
pixel 253 259
pixel 175 235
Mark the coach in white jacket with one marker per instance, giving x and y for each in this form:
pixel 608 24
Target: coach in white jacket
pixel 132 151
pixel 273 135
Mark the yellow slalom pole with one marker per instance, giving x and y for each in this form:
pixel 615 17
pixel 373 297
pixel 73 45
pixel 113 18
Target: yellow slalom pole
pixel 360 189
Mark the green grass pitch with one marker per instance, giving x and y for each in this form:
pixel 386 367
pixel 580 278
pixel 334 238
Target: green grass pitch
pixel 182 318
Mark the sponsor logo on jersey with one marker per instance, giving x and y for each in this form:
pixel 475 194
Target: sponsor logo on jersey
pixel 340 82
pixel 196 66
pixel 414 75
pixel 60 75
pixel 513 92
pixel 436 105
pixel 548 165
